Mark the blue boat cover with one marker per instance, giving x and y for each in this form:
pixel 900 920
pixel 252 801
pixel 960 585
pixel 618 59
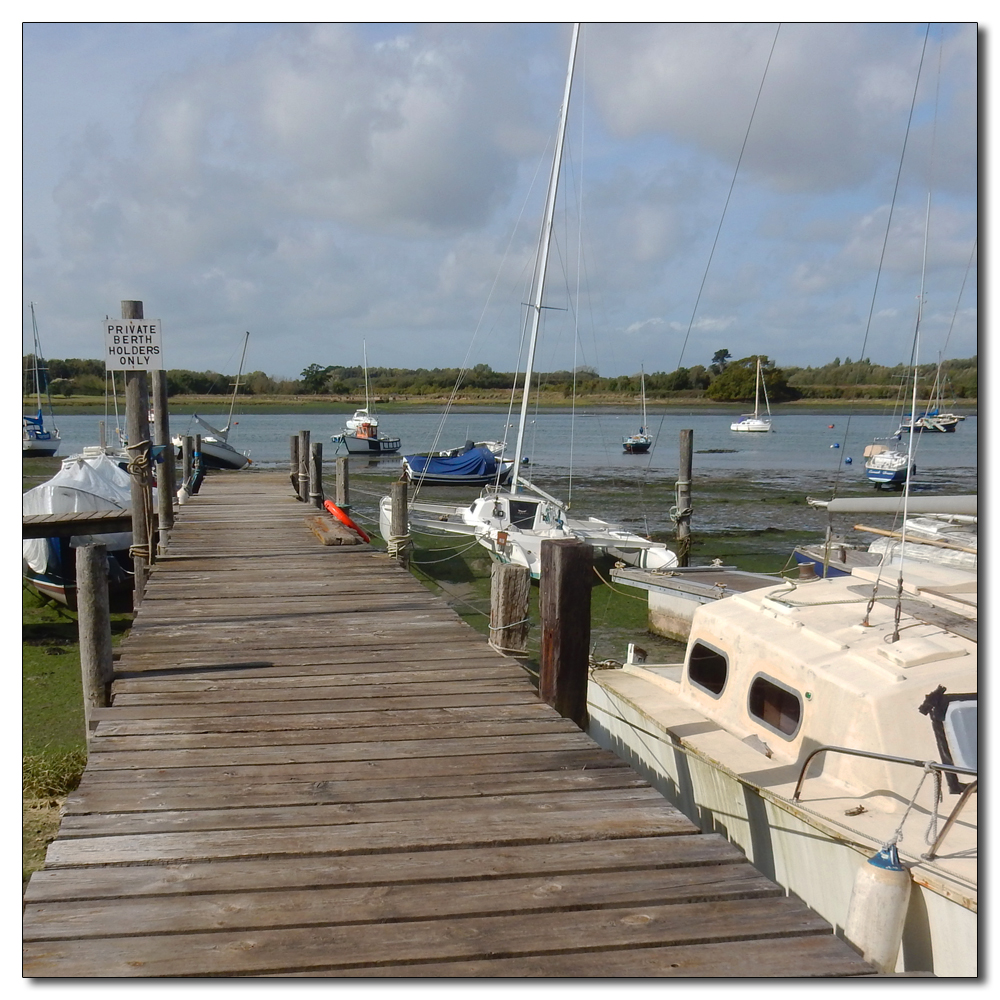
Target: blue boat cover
pixel 475 462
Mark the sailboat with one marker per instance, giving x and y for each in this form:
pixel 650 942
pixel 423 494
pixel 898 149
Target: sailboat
pixel 932 419
pixel 640 443
pixel 361 434
pixel 36 441
pixel 216 451
pixel 511 524
pixel 754 421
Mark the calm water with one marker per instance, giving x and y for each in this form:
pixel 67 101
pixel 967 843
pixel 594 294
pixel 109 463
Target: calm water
pixel 749 490
pixel 800 449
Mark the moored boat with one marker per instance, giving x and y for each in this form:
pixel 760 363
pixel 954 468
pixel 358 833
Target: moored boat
pixel 37 440
pixel 473 465
pixel 511 524
pixel 754 422
pixel 640 442
pixel 216 450
pixel 91 481
pixel 814 724
pixel 361 435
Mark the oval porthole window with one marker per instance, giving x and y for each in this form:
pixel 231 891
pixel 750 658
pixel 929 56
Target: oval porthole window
pixel 708 668
pixel 777 707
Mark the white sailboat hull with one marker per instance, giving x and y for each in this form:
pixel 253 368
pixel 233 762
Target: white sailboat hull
pixel 751 424
pixel 782 839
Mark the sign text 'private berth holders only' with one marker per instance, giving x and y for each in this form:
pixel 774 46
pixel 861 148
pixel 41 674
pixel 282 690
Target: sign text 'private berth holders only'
pixel 133 345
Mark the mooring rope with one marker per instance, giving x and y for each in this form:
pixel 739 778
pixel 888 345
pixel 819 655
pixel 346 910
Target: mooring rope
pixel 139 469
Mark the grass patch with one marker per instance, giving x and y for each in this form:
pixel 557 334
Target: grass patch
pixel 53 734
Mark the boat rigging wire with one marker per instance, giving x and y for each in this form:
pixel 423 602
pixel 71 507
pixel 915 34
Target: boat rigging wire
pixel 885 243
pixel 729 196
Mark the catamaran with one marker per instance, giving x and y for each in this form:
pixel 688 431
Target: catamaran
pixel 511 524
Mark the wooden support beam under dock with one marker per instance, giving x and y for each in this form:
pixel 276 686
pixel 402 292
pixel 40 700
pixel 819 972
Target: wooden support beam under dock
pixel 312 767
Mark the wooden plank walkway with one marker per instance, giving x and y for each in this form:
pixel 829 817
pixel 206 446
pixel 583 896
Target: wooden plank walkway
pixel 313 767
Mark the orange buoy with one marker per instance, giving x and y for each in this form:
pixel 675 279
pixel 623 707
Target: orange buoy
pixel 344 519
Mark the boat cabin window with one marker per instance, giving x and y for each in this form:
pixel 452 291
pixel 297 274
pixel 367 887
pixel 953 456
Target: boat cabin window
pixel 777 707
pixel 708 668
pixel 522 513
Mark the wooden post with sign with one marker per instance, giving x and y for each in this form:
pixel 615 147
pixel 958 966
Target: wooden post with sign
pixel 137 430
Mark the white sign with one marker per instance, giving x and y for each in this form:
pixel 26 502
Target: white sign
pixel 132 345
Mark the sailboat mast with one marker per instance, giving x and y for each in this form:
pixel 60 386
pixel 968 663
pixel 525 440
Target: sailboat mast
pixel 642 389
pixel 756 395
pixel 364 355
pixel 236 386
pixel 543 257
pixel 37 351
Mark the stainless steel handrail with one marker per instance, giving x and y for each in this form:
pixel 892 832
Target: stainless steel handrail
pixel 932 764
pixel 959 806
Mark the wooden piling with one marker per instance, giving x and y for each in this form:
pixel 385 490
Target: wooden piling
pixel 316 474
pixel 564 609
pixel 684 498
pixel 304 466
pixel 187 460
pixel 165 486
pixel 343 483
pixel 399 530
pixel 94 623
pixel 510 591
pixel 137 413
pixel 293 464
pixel 197 466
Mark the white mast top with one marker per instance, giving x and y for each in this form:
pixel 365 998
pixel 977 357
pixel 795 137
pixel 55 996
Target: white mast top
pixel 543 256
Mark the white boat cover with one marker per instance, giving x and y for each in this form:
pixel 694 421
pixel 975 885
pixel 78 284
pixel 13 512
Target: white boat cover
pixel 91 482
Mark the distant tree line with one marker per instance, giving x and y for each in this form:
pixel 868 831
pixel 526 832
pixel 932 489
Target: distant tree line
pixel 722 380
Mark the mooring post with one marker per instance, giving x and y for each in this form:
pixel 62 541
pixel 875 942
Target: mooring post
pixel 293 463
pixel 197 465
pixel 94 624
pixel 564 608
pixel 137 413
pixel 165 473
pixel 510 590
pixel 304 466
pixel 343 483
pixel 316 475
pixel 186 467
pixel 684 499
pixel 399 525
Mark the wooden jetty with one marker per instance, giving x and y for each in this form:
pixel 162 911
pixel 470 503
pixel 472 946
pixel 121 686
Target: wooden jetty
pixel 313 767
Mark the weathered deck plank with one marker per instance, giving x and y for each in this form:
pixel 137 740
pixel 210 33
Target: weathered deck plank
pixel 312 766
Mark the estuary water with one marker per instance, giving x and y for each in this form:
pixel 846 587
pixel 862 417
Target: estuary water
pixel 741 482
pixel 748 492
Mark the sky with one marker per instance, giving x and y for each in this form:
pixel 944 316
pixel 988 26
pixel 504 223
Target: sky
pixel 350 190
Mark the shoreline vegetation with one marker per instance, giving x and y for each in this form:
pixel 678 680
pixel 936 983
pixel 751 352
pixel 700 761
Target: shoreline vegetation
pixel 487 399
pixel 724 384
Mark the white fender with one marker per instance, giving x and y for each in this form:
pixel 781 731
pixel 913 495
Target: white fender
pixel 877 910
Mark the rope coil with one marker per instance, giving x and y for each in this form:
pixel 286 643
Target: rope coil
pixel 397 545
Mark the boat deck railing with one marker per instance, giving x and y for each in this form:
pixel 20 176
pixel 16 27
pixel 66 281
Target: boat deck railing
pixel 927 765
